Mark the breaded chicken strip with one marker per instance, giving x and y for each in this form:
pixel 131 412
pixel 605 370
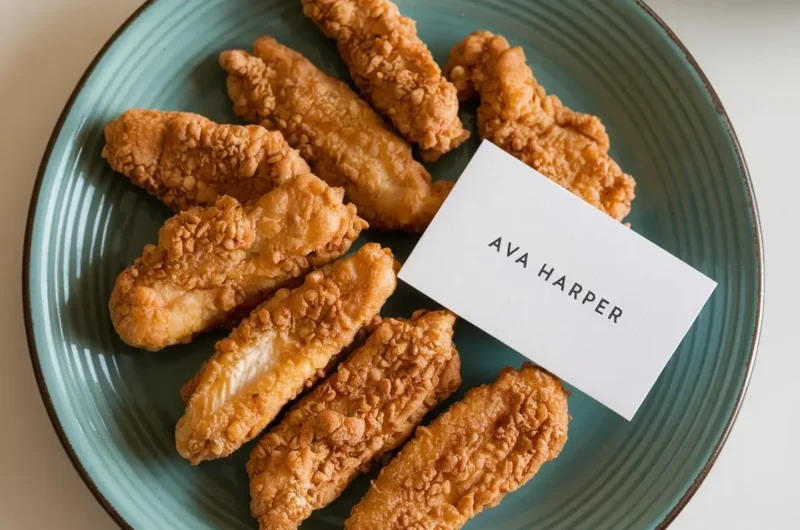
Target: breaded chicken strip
pixel 345 142
pixel 487 445
pixel 368 407
pixel 393 70
pixel 568 147
pixel 186 160
pixel 361 336
pixel 212 263
pixel 281 348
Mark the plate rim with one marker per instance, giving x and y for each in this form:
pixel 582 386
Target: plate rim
pixel 57 129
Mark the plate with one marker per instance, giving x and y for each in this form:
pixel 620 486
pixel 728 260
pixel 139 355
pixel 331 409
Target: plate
pixel 115 408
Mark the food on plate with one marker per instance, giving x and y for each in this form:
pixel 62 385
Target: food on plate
pixel 186 160
pixel 340 136
pixel 211 264
pixel 394 70
pixel 368 407
pixel 487 445
pixel 280 349
pixel 515 113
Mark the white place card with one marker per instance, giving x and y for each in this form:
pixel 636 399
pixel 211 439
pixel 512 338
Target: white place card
pixel 557 280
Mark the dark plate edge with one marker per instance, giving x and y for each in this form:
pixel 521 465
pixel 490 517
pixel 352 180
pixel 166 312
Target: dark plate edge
pixel 759 243
pixel 48 403
pixel 26 267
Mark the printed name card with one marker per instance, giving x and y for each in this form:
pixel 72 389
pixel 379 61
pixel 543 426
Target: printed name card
pixel 557 280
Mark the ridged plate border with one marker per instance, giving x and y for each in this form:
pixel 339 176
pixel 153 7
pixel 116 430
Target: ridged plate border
pixel 57 130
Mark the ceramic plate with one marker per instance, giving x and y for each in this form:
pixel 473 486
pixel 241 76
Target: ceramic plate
pixel 115 408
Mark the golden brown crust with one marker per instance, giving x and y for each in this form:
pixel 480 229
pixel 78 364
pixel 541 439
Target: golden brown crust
pixel 281 348
pixel 186 160
pixel 394 70
pixel 340 136
pixel 568 147
pixel 487 445
pixel 213 263
pixel 368 407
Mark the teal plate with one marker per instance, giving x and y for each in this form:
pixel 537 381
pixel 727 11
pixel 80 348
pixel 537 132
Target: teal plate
pixel 115 408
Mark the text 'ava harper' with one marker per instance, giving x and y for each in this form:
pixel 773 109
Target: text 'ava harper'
pixel 547 273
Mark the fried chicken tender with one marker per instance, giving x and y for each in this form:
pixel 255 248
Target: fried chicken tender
pixel 340 136
pixel 214 263
pixel 394 70
pixel 361 336
pixel 281 348
pixel 368 407
pixel 515 113
pixel 187 160
pixel 487 445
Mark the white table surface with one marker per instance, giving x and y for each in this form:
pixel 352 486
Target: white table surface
pixel 750 50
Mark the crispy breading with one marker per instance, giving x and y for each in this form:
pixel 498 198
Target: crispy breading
pixel 487 445
pixel 368 407
pixel 393 70
pixel 568 147
pixel 281 348
pixel 214 263
pixel 187 160
pixel 340 136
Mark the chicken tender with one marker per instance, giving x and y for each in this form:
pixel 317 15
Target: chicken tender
pixel 187 160
pixel 394 70
pixel 487 445
pixel 515 113
pixel 340 136
pixel 368 407
pixel 361 336
pixel 281 348
pixel 213 263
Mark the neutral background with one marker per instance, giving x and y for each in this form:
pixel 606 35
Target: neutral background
pixel 750 50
